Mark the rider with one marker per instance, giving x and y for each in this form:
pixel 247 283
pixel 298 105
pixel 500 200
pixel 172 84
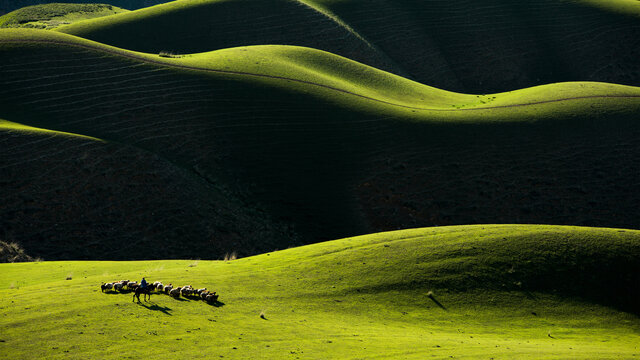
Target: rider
pixel 143 284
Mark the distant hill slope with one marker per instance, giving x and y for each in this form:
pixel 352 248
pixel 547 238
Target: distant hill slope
pixel 49 16
pixel 467 46
pixel 505 291
pixel 11 5
pixel 325 145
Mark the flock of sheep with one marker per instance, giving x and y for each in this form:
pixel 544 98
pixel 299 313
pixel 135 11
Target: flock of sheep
pixel 186 291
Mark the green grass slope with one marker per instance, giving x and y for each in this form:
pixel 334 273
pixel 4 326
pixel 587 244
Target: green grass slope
pixel 324 144
pixel 466 46
pixel 50 16
pixel 7 6
pixel 508 291
pixel 186 27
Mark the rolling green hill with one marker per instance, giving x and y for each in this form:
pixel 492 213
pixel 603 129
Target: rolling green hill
pixel 320 145
pixel 212 129
pixel 186 27
pixel 466 46
pixel 7 6
pixel 540 292
pixel 50 16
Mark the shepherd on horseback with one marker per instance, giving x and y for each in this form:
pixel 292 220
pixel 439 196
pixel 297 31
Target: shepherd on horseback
pixel 142 289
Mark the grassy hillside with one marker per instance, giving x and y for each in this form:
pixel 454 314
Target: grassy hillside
pixel 500 45
pixel 50 16
pixel 7 6
pixel 321 143
pixel 503 291
pixel 186 27
pixel 466 46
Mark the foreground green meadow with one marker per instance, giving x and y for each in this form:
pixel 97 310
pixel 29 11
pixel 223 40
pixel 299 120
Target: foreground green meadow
pixel 498 291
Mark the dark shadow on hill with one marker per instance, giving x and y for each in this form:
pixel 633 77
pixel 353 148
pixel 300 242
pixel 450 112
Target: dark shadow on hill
pixel 156 307
pixel 433 298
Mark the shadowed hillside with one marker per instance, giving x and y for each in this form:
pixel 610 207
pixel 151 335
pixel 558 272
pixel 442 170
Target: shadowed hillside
pixel 66 197
pixel 467 46
pixel 500 45
pixel 323 144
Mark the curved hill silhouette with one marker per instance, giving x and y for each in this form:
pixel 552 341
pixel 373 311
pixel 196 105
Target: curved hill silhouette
pixel 324 146
pixel 466 46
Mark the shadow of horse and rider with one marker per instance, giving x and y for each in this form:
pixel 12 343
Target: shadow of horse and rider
pixel 146 292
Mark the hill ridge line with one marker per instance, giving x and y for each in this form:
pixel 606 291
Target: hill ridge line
pixel 130 55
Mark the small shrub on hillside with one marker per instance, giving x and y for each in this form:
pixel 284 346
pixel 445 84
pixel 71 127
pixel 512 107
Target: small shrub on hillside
pixel 13 252
pixel 169 54
pixel 229 257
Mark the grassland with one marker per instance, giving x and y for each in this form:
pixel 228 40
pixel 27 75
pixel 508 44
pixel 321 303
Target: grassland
pixel 199 128
pixel 50 16
pixel 504 292
pixel 472 47
pixel 335 148
pixel 7 6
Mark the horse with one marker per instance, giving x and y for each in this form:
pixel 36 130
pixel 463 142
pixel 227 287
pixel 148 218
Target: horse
pixel 146 291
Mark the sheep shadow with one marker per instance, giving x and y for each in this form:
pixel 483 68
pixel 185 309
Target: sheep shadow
pixel 114 292
pixel 156 307
pixel 217 304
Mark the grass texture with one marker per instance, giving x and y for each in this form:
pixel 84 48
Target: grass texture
pixel 469 292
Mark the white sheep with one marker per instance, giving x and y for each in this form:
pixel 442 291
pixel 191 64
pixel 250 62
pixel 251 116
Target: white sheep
pixel 106 286
pixel 167 288
pixel 175 292
pixel 212 298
